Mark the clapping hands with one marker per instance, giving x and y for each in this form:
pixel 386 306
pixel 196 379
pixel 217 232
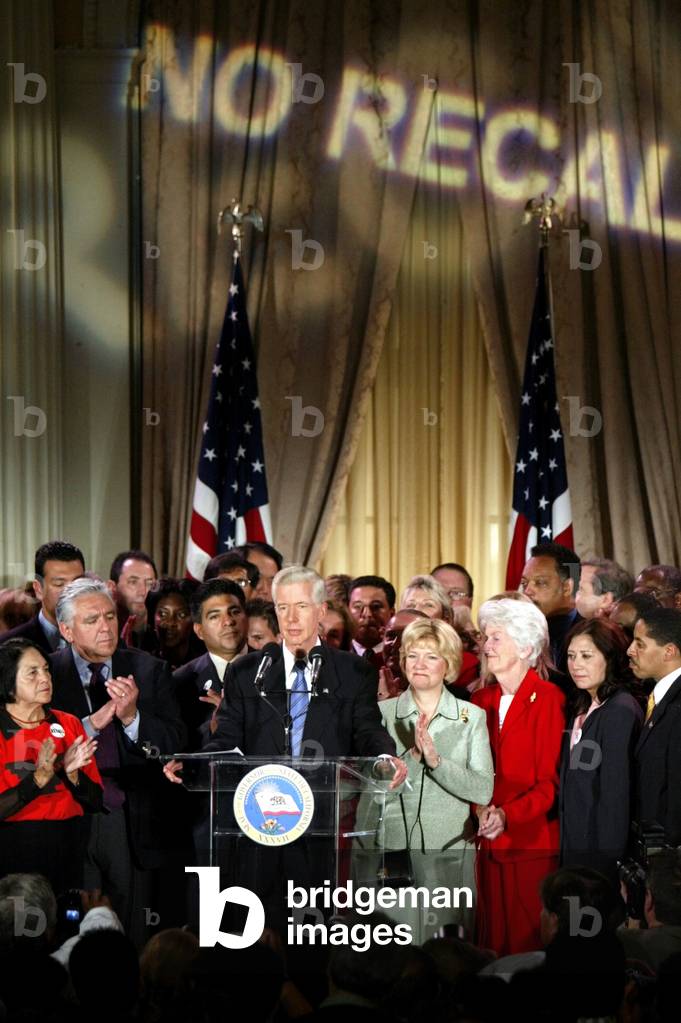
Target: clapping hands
pixel 423 743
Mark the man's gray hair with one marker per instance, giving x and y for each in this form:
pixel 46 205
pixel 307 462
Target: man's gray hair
pixel 523 621
pixel 26 898
pixel 300 574
pixel 65 609
pixel 609 577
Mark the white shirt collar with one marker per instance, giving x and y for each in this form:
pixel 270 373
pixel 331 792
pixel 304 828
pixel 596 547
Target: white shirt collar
pixel 290 663
pixel 361 650
pixel 221 664
pixel 664 685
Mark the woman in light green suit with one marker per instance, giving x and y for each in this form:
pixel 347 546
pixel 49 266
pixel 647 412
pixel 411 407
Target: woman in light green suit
pixel 426 823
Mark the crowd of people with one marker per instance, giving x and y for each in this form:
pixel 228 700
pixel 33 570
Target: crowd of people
pixel 532 757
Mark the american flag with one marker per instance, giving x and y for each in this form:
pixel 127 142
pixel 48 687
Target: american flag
pixel 541 498
pixel 230 495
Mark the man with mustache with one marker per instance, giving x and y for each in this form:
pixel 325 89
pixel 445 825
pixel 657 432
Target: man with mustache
pixel 655 653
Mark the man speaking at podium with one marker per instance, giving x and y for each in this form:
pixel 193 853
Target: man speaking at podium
pixel 320 706
pixel 339 713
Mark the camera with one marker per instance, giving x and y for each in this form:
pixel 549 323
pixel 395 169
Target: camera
pixel 634 870
pixel 69 912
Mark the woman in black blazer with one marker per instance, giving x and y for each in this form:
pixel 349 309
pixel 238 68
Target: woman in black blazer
pixel 597 752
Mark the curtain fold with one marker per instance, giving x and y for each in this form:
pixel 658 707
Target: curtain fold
pixel 431 480
pixel 31 324
pixel 476 103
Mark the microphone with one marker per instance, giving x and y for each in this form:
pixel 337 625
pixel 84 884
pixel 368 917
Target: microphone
pixel 271 652
pixel 316 659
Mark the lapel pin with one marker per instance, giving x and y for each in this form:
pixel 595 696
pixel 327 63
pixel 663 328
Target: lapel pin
pixel 533 697
pixel 325 692
pixel 464 715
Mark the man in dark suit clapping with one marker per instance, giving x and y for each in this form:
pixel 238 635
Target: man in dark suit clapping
pixel 125 698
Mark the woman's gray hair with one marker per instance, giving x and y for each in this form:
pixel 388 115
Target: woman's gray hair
pixel 300 574
pixel 429 584
pixel 523 621
pixel 81 587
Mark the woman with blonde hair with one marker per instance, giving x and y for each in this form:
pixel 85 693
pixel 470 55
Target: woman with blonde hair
pixel 445 746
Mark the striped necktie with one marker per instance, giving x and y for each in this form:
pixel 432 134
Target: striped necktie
pixel 299 702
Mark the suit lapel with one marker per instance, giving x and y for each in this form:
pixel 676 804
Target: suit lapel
pixel 520 705
pixel 275 690
pixel 70 695
pixel 661 709
pixel 323 707
pixel 207 672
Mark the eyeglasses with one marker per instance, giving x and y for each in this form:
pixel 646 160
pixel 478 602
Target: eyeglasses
pixel 243 583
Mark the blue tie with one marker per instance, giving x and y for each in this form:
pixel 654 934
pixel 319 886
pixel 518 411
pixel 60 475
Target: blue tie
pixel 299 701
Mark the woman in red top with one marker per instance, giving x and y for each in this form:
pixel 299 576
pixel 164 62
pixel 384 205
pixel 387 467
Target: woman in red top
pixel 518 832
pixel 48 776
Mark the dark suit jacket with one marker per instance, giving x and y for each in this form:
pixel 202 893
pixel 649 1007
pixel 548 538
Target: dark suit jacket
pixel 343 719
pixel 148 805
pixel 32 630
pixel 657 766
pixel 190 683
pixel 595 785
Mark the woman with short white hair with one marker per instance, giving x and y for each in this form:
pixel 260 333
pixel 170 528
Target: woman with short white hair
pixel 518 834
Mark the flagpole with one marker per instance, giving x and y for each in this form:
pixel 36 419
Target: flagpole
pixel 544 208
pixel 230 505
pixel 541 500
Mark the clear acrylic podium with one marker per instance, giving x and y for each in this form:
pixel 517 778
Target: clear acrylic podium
pixel 344 789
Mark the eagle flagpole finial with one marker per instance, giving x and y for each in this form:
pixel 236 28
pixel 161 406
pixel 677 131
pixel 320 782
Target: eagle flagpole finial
pixel 545 209
pixel 237 215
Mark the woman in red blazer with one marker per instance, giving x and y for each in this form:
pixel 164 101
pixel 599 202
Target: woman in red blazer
pixel 518 834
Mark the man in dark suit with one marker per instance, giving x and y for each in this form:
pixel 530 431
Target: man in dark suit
pixel 339 717
pixel 655 653
pixel 218 609
pixel 57 563
pixel 371 604
pixel 125 698
pixel 343 719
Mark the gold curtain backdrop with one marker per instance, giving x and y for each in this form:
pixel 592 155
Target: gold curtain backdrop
pixel 431 479
pixel 428 109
